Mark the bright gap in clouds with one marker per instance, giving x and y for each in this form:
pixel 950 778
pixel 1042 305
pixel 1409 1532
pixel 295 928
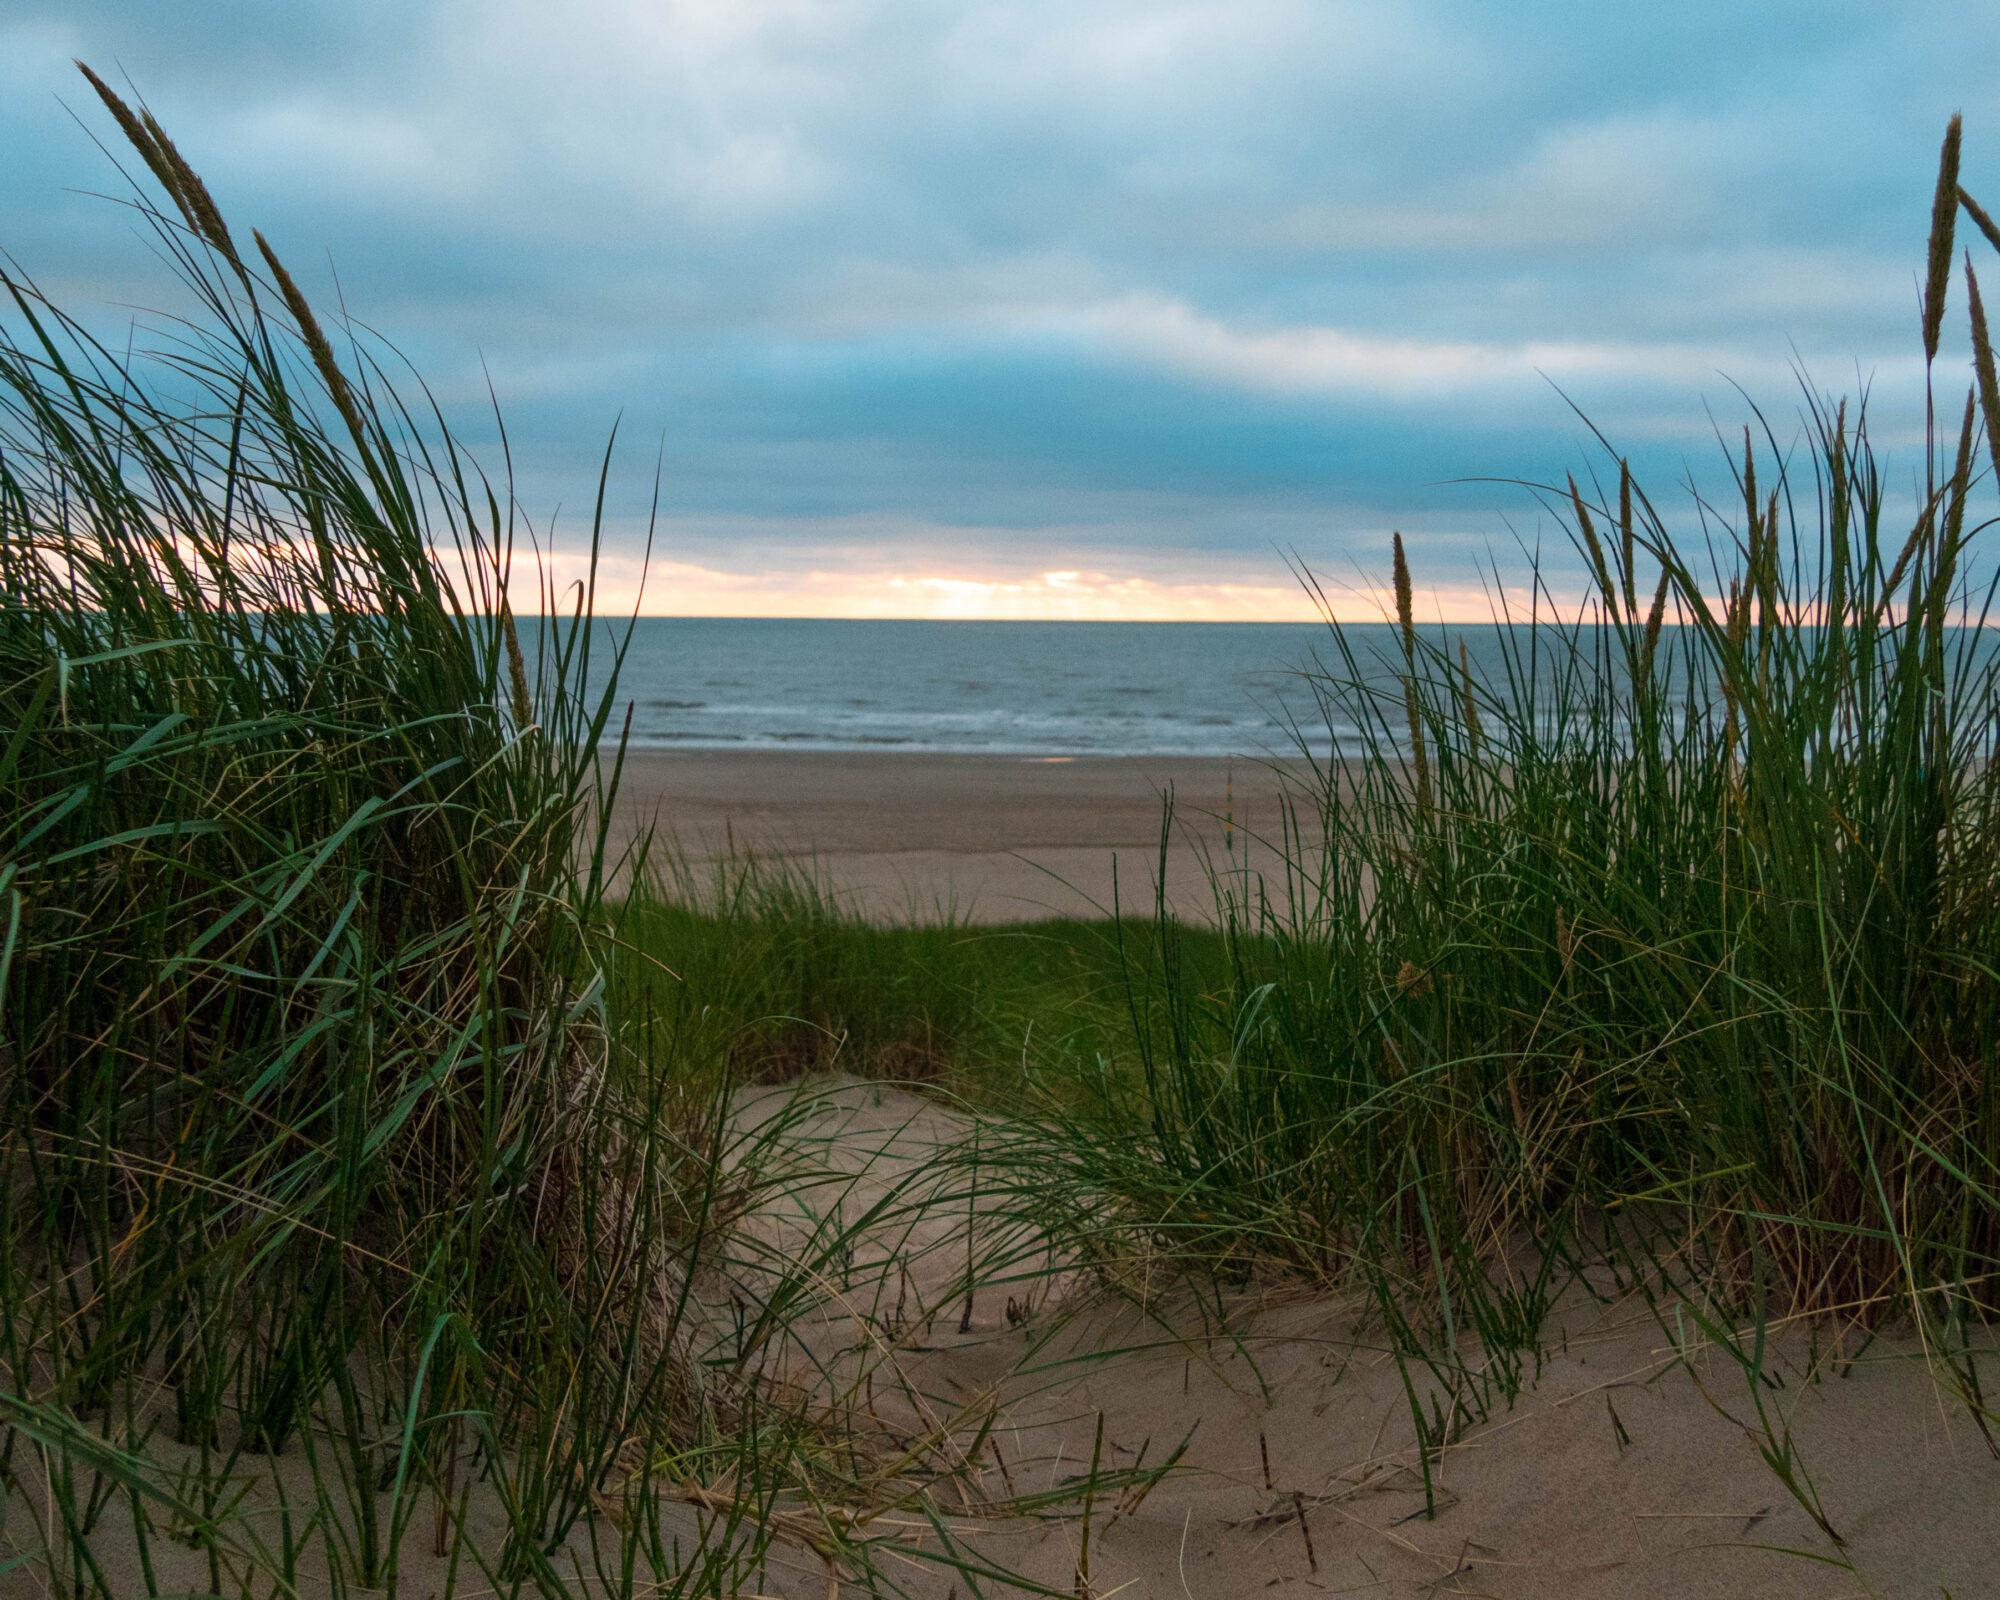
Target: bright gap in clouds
pixel 666 587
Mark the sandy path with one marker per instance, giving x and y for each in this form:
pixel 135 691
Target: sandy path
pixel 989 838
pixel 1611 1474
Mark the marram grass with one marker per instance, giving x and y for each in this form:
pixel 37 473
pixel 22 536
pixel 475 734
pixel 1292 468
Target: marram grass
pixel 368 1195
pixel 347 1242
pixel 1674 942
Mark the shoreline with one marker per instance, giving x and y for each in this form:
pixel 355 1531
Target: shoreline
pixel 984 839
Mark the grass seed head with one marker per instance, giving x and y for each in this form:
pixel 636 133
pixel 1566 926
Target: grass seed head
pixel 517 670
pixel 1982 365
pixel 199 204
pixel 1405 600
pixel 1980 219
pixel 1626 540
pixel 1655 619
pixel 1406 616
pixel 1588 528
pixel 1944 214
pixel 1474 732
pixel 184 187
pixel 315 340
pixel 141 140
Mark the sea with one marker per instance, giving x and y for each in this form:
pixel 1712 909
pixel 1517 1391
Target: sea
pixel 1019 688
pixel 1054 689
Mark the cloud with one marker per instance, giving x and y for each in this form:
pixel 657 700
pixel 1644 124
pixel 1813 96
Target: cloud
pixel 1340 361
pixel 1093 277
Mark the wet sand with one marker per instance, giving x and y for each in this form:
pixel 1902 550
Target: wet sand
pixel 986 838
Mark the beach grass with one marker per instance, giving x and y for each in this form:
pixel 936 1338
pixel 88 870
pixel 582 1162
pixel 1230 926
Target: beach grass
pixel 1660 958
pixel 351 1238
pixel 1663 957
pixel 375 1192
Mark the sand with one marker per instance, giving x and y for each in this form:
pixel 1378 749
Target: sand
pixel 987 839
pixel 1625 1468
pixel 1619 1470
pixel 1627 1465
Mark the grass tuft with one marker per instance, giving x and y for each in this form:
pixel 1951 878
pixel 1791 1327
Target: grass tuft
pixel 1663 947
pixel 347 1239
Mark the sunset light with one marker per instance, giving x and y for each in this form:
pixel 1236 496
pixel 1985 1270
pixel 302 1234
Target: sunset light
pixel 666 587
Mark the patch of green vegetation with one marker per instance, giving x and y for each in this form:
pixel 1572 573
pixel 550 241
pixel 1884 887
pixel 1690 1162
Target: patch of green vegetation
pixel 773 977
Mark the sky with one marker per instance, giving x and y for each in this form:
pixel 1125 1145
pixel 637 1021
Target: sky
pixel 1057 308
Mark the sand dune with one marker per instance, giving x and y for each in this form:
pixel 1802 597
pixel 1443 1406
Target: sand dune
pixel 1619 1469
pixel 1626 1465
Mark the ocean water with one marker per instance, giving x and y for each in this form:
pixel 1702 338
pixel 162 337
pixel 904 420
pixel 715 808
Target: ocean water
pixel 1055 688
pixel 1029 688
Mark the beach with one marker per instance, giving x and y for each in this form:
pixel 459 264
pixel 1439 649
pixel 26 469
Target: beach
pixel 1547 1148
pixel 984 838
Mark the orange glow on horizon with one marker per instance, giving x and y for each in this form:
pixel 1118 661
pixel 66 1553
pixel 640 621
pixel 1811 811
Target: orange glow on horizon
pixel 683 589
